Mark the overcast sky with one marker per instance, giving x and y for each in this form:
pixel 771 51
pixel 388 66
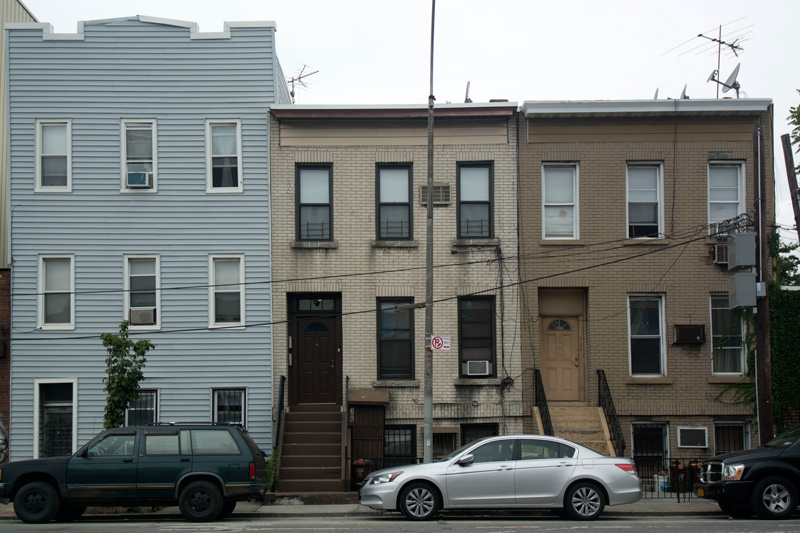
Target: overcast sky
pixel 378 51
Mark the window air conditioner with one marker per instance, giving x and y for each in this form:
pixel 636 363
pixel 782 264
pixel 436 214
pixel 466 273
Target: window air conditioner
pixel 721 254
pixel 441 194
pixel 143 317
pixel 722 230
pixel 139 180
pixel 477 368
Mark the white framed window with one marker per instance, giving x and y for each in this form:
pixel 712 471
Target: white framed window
pixel 56 292
pixel 646 335
pixel 727 347
pixel 223 156
pixel 226 290
pixel 142 296
pixel 139 156
pixel 692 437
pixel 229 406
pixel 475 199
pixel 560 201
pixel 143 410
pixel 53 156
pixel 55 417
pixel 644 198
pixel 726 193
pixel 731 437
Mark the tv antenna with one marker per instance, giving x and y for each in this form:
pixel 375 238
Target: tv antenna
pixel 467 99
pixel 735 48
pixel 728 84
pixel 299 79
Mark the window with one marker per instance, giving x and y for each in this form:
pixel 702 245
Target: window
pixel 394 202
pixel 223 156
pixel 473 432
pixel 55 418
pixel 560 198
pixel 227 290
pixel 396 340
pixel 725 191
pixel 399 445
pixel 53 157
pixel 644 201
pixel 474 201
pixel 731 437
pixel 544 449
pixel 476 333
pixel 142 411
pixel 142 297
pixel 314 213
pixel 214 442
pixel 113 445
pixel 161 443
pixel 692 437
pixel 650 448
pixel 646 342
pixel 726 333
pixel 499 450
pixel 56 292
pixel 139 159
pixel 229 406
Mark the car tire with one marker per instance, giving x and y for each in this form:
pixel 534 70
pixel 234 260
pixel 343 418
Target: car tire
pixel 69 513
pixel 227 508
pixel 201 501
pixel 584 501
pixel 419 501
pixel 736 509
pixel 36 503
pixel 774 498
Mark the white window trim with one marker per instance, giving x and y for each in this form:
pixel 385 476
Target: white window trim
pixel 742 327
pixel 662 325
pixel 124 156
pixel 36 383
pixel 38 151
pixel 41 292
pixel 678 436
pixel 745 428
pixel 659 190
pixel 209 168
pixel 576 225
pixel 742 193
pixel 157 405
pixel 127 294
pixel 246 412
pixel 211 287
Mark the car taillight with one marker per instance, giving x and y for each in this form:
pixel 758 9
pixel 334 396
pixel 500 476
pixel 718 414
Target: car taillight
pixel 627 467
pixel 252 470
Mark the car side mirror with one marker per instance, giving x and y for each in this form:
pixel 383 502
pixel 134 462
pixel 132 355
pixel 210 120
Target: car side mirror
pixel 466 459
pixel 84 453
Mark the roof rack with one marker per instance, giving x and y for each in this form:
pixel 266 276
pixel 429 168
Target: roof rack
pixel 187 423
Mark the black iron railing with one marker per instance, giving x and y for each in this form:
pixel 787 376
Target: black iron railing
pixel 668 477
pixel 541 403
pixel 361 467
pixel 606 401
pixel 279 413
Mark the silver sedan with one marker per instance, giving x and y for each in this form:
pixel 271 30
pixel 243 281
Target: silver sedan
pixel 507 472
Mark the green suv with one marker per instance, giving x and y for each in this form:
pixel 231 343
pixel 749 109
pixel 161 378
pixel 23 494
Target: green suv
pixel 204 468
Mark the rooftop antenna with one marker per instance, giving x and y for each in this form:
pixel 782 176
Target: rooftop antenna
pixel 467 99
pixel 683 93
pixel 728 84
pixel 299 79
pixel 734 47
pixel 655 96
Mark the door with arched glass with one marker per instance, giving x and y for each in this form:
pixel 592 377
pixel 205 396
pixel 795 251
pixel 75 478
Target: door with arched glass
pixel 315 366
pixel 561 364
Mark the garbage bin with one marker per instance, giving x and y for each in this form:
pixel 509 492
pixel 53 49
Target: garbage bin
pixel 360 469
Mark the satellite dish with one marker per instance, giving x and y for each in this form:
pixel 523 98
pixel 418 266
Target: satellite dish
pixel 655 96
pixel 730 83
pixel 683 93
pixel 712 76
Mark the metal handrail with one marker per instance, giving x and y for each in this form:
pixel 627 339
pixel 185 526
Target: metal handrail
pixel 279 413
pixel 541 403
pixel 606 401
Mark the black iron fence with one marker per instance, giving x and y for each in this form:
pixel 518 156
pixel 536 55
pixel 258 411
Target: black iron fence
pixel 358 468
pixel 540 401
pixel 606 401
pixel 668 477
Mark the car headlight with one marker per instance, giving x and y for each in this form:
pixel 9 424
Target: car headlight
pixel 732 472
pixel 385 478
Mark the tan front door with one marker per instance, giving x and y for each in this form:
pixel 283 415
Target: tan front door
pixel 561 359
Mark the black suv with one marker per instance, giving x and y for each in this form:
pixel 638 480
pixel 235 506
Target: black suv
pixel 204 468
pixel 764 480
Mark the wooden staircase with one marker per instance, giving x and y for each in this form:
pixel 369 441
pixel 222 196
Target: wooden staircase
pixel 311 450
pixel 582 424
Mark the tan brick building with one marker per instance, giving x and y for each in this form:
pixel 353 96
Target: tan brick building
pixel 618 202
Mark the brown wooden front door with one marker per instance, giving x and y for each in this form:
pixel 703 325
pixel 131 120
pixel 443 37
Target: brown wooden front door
pixel 316 357
pixel 560 359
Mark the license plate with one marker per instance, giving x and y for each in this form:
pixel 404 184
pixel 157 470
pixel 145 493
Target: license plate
pixel 701 493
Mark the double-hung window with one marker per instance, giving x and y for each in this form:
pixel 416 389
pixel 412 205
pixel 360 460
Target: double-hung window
pixel 314 203
pixel 229 406
pixel 644 200
pixel 394 202
pixel 226 290
pixel 726 332
pixel 399 445
pixel 725 192
pixel 56 292
pixel 476 324
pixel 475 201
pixel 223 156
pixel 396 340
pixel 142 295
pixel 646 339
pixel 560 199
pixel 139 156
pixel 53 156
pixel 143 410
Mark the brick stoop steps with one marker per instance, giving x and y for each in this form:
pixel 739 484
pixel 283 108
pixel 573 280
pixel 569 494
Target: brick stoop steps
pixel 582 424
pixel 311 450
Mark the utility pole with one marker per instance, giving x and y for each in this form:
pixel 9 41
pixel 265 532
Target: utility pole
pixel 427 430
pixel 792 177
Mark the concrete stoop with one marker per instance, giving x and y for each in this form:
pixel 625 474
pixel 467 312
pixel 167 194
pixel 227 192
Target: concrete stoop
pixel 584 425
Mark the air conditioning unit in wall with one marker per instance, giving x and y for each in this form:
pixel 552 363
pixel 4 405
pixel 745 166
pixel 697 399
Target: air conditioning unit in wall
pixel 143 316
pixel 139 180
pixel 721 254
pixel 477 368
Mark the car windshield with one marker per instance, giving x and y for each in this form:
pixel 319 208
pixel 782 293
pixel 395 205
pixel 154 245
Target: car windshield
pixel 785 439
pixel 459 450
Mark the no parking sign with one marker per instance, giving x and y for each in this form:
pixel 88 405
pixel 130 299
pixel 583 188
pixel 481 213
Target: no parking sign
pixel 440 343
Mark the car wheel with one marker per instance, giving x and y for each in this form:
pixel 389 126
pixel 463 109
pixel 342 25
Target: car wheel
pixel 36 503
pixel 227 508
pixel 774 497
pixel 200 501
pixel 584 501
pixel 419 501
pixel 69 513
pixel 736 509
